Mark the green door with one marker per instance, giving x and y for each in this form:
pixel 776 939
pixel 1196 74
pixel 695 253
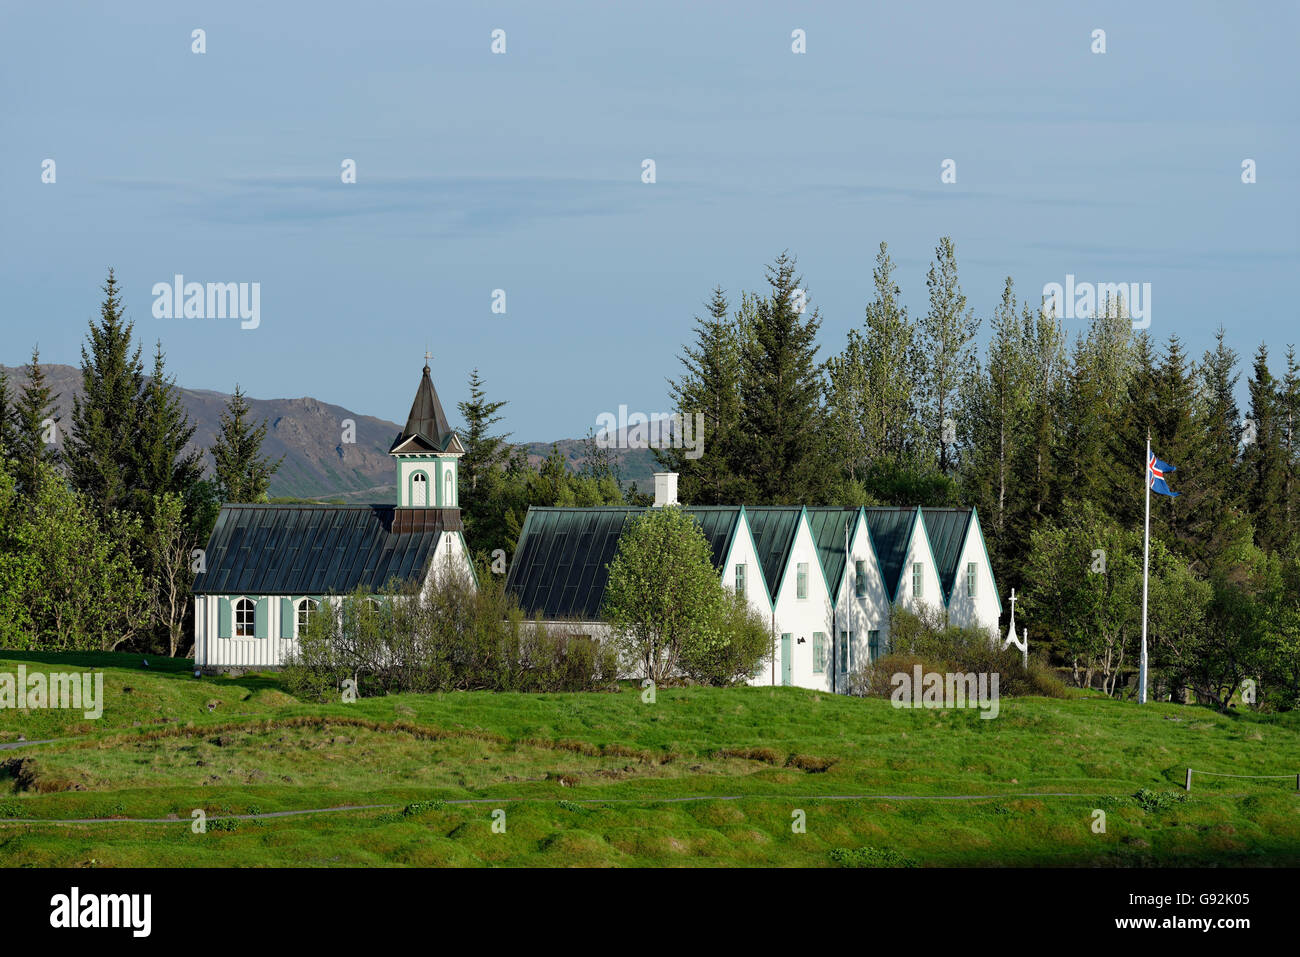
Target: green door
pixel 787 664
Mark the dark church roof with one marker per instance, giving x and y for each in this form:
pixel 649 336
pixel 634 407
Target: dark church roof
pixel 426 427
pixel 320 549
pixel 560 567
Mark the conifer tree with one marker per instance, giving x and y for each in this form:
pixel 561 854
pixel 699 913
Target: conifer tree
pixel 485 452
pixel 243 474
pixel 7 411
pixel 36 434
pixel 782 454
pixel 163 466
pixel 101 448
pixel 1263 457
pixel 710 387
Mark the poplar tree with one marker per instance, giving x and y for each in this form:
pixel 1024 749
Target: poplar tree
pixel 243 474
pixel 946 334
pixel 995 412
pixel 101 449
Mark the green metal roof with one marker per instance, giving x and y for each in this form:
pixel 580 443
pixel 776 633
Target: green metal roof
pixel 947 530
pixel 560 568
pixel 827 524
pixel 319 549
pixel 890 528
pixel 774 528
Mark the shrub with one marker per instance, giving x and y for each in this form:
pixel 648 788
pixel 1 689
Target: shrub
pixel 459 637
pixel 744 643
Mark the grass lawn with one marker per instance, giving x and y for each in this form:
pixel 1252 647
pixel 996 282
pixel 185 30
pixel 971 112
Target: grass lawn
pixel 599 779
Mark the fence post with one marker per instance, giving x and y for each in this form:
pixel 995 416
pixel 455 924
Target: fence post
pixel 1188 785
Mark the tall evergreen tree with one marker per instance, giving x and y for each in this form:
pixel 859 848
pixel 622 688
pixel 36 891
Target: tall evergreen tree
pixel 1038 493
pixel 485 451
pixel 709 386
pixel 1289 415
pixel 243 474
pixel 7 413
pixel 1263 456
pixel 163 466
pixel 783 450
pixel 1218 424
pixel 36 434
pixel 946 334
pixel 101 450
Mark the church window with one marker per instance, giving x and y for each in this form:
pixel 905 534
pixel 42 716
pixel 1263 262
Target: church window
pixel 447 493
pixel 801 580
pixel 245 618
pixel 306 608
pixel 740 580
pixel 420 490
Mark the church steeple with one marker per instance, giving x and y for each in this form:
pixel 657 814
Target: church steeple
pixel 427 450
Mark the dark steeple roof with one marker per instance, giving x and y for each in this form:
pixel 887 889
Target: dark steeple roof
pixel 426 427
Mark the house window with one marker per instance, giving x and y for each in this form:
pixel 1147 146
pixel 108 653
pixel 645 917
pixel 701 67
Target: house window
pixel 801 582
pixel 819 652
pixel 306 608
pixel 245 618
pixel 970 580
pixel 859 579
pixel 740 580
pixel 917 580
pixel 420 490
pixel 873 645
pixel 846 649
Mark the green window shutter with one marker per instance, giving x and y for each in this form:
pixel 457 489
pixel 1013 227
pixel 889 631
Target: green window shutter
pixel 860 579
pixel 260 613
pixel 286 617
pixel 224 629
pixel 801 584
pixel 873 645
pixel 819 652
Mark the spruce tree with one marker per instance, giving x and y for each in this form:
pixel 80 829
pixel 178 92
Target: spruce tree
pixel 485 452
pixel 36 433
pixel 782 447
pixel 101 450
pixel 243 474
pixel 7 412
pixel 710 388
pixel 1263 456
pixel 946 334
pixel 1289 414
pixel 1218 424
pixel 163 466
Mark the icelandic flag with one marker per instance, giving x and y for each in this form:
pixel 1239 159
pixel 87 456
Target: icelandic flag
pixel 1156 476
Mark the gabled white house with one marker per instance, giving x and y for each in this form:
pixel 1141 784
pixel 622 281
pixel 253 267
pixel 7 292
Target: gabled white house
pixel 827 577
pixel 267 568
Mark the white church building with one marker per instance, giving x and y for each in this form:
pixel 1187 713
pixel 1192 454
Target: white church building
pixel 268 567
pixel 826 578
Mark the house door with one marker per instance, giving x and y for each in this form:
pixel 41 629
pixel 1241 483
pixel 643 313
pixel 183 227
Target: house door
pixel 787 662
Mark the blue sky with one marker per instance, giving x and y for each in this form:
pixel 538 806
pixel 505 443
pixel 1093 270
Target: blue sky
pixel 523 172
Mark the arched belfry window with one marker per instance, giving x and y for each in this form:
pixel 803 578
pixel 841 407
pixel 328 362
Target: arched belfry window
pixel 448 486
pixel 420 490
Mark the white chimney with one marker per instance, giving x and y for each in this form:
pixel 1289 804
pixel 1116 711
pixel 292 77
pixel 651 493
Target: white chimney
pixel 665 489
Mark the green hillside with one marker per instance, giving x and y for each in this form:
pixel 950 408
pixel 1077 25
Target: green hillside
pixel 701 777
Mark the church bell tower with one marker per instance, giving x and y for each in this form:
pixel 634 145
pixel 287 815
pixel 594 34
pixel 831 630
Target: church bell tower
pixel 427 453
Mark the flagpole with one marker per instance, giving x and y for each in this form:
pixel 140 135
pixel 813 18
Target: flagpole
pixel 1146 558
